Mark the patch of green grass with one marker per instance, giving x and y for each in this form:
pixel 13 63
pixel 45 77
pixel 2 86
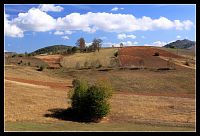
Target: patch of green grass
pixel 74 126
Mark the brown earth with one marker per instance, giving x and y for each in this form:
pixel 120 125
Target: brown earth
pixel 52 60
pixel 132 55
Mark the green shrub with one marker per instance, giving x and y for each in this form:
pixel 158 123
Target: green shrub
pixel 20 62
pixel 41 68
pixel 156 54
pixel 91 102
pixel 116 54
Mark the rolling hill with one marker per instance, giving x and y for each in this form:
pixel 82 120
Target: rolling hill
pixel 51 49
pixel 181 44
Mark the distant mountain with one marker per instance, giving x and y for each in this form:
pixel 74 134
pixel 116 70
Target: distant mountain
pixel 6 54
pixel 51 49
pixel 182 44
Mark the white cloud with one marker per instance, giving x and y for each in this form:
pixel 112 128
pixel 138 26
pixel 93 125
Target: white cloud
pixel 50 7
pixel 10 29
pixel 65 37
pixel 129 43
pixel 157 43
pixel 68 32
pixel 90 22
pixel 58 33
pixel 35 20
pixel 62 32
pixel 124 36
pixel 114 9
pixel 178 36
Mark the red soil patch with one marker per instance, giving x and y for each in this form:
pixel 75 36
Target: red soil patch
pixel 132 55
pixel 52 60
pixel 49 84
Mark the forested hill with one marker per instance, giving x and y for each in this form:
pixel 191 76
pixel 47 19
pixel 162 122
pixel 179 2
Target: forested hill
pixel 52 49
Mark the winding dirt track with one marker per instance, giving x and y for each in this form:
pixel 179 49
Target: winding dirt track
pixel 40 83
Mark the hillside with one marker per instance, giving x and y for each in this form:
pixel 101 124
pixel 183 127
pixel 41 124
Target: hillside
pixel 181 44
pixel 51 49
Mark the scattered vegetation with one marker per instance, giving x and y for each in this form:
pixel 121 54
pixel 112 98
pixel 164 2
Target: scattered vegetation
pixel 91 102
pixel 78 66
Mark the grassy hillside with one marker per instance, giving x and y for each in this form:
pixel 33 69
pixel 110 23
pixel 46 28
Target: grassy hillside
pixel 188 53
pixel 104 56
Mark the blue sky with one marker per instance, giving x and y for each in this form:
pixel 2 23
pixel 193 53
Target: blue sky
pixel 30 27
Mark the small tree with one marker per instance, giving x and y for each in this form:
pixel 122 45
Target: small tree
pixel 91 102
pixel 97 43
pixel 121 45
pixel 81 43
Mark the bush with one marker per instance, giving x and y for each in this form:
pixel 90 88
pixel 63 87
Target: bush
pixel 29 63
pixel 116 54
pixel 41 68
pixel 91 102
pixel 156 54
pixel 20 62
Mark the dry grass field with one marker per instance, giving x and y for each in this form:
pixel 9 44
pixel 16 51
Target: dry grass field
pixel 103 56
pixel 143 100
pixel 28 101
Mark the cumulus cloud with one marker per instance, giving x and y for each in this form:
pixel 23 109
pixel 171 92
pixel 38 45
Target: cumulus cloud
pixel 124 36
pixel 38 20
pixel 129 43
pixel 10 29
pixel 50 7
pixel 157 43
pixel 178 36
pixel 65 37
pixel 35 20
pixel 90 22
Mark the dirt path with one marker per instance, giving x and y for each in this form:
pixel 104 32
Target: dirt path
pixel 178 62
pixel 39 83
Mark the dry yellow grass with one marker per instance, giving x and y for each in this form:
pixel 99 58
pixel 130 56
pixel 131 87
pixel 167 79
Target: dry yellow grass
pixel 24 102
pixel 103 56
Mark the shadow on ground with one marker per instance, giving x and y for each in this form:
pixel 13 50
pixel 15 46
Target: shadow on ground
pixel 67 115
